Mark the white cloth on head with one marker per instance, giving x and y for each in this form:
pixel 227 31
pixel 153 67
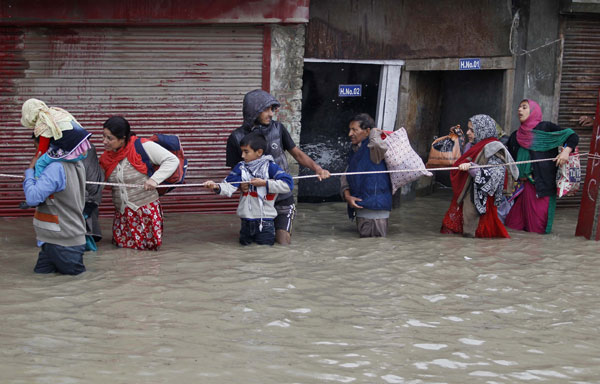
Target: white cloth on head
pixel 45 121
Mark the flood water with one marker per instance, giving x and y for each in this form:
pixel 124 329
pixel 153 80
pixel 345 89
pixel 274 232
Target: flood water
pixel 416 307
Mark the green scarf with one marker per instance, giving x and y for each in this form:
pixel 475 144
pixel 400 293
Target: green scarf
pixel 542 141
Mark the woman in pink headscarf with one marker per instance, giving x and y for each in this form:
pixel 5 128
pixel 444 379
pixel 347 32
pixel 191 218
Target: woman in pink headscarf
pixel 533 209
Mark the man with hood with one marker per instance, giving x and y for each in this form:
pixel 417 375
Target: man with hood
pixel 258 109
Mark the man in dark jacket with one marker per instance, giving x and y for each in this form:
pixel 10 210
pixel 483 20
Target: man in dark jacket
pixel 258 109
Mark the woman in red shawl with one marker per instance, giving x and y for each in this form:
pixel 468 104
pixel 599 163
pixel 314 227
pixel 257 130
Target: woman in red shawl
pixel 138 222
pixel 478 191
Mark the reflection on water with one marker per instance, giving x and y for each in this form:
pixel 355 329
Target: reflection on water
pixel 417 307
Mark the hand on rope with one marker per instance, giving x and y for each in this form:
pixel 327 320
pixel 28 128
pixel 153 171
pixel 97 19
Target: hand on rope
pixel 563 157
pixel 560 159
pixel 464 166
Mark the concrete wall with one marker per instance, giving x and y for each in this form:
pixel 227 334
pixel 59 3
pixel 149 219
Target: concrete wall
pixel 408 29
pixel 537 48
pixel 287 64
pixel 152 12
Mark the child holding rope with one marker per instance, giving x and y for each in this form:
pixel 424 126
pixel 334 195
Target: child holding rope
pixel 265 180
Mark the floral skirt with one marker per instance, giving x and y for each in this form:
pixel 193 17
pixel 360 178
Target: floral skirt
pixel 141 229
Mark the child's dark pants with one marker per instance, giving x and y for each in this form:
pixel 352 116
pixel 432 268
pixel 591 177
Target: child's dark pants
pixel 251 232
pixel 56 258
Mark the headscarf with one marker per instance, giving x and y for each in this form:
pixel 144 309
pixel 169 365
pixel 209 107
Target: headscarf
pixel 536 140
pixel 483 127
pixel 525 131
pixel 71 147
pixel 49 122
pixel 110 159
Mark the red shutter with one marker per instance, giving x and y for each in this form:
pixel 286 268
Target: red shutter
pixel 184 80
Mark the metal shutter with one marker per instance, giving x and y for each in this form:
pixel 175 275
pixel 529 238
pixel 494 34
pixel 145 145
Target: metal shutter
pixel 188 81
pixel 580 81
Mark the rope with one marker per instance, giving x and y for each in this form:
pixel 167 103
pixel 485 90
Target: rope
pixel 590 155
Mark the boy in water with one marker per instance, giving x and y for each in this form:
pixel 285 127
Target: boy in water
pixel 265 180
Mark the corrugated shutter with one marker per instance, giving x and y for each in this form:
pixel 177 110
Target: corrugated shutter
pixel 580 81
pixel 188 81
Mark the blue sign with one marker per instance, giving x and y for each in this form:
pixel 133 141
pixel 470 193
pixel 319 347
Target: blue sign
pixel 469 64
pixel 352 90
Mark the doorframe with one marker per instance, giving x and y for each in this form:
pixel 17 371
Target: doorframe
pixel 389 88
pixel 506 64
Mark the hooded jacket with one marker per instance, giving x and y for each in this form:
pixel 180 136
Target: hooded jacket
pixel 254 103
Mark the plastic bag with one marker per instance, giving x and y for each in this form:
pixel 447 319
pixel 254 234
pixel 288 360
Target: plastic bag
pixel 444 151
pixel 401 156
pixel 568 176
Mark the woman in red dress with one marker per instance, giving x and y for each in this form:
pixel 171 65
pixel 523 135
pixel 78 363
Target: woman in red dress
pixel 478 191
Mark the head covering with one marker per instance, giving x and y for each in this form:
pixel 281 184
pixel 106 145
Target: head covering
pixel 525 131
pixel 73 143
pixel 484 127
pixel 72 146
pixel 255 102
pixel 49 122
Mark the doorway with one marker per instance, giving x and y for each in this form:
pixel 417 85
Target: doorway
pixel 325 118
pixel 432 101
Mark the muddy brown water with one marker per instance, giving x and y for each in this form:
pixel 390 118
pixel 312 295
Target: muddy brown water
pixel 416 307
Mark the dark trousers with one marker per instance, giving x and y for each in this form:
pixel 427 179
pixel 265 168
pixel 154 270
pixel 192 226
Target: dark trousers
pixel 251 232
pixel 56 258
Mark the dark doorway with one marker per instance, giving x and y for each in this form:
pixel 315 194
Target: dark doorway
pixel 468 93
pixel 325 118
pixel 464 94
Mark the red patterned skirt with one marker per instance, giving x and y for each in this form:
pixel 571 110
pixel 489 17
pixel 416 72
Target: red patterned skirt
pixel 141 229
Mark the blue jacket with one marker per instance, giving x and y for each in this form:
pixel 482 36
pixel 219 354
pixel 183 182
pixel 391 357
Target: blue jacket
pixel 374 189
pixel 249 206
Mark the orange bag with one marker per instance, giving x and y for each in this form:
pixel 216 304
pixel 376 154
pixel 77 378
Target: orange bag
pixel 444 151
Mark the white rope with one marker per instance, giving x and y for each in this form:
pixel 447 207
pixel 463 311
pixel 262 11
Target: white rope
pixel 594 156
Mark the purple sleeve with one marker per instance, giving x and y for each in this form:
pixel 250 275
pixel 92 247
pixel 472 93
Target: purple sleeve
pixel 473 171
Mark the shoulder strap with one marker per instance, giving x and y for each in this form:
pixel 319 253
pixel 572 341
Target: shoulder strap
pixel 139 148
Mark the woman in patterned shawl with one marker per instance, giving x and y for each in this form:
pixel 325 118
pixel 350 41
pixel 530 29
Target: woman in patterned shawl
pixel 478 191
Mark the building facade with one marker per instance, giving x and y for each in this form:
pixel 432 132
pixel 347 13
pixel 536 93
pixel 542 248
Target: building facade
pixel 177 67
pixel 544 50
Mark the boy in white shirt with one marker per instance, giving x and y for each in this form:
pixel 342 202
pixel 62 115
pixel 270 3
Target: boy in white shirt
pixel 265 180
